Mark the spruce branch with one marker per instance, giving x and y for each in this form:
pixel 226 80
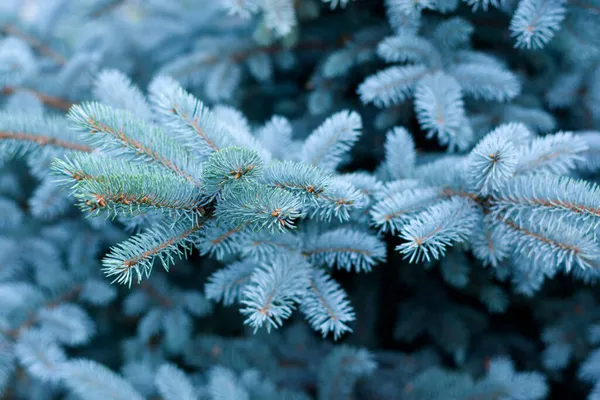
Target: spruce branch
pixel 43 141
pixel 264 246
pixel 92 380
pixel 273 290
pixel 432 231
pixel 230 166
pixel 189 119
pixel 392 85
pixel 556 154
pixel 35 43
pixel 326 305
pixel 114 130
pixel 228 283
pixel 493 161
pixel 219 241
pixel 136 255
pixel 548 248
pixel 258 207
pixel 326 145
pixel 527 197
pixel 102 184
pixel 345 248
pixel 51 101
pixel 536 21
pixel 338 200
pixel 299 178
pixel 65 297
pixel 392 211
pixel 24 134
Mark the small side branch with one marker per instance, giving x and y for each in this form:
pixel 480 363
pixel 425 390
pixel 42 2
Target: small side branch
pixel 35 43
pixel 44 141
pixel 50 101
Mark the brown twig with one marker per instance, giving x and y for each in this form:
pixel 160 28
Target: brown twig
pixel 44 141
pixel 66 297
pixel 35 43
pixel 50 101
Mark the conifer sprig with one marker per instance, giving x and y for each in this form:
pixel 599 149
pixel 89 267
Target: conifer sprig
pixel 120 134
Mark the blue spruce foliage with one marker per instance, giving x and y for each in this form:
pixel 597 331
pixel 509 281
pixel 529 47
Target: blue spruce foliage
pixel 299 199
